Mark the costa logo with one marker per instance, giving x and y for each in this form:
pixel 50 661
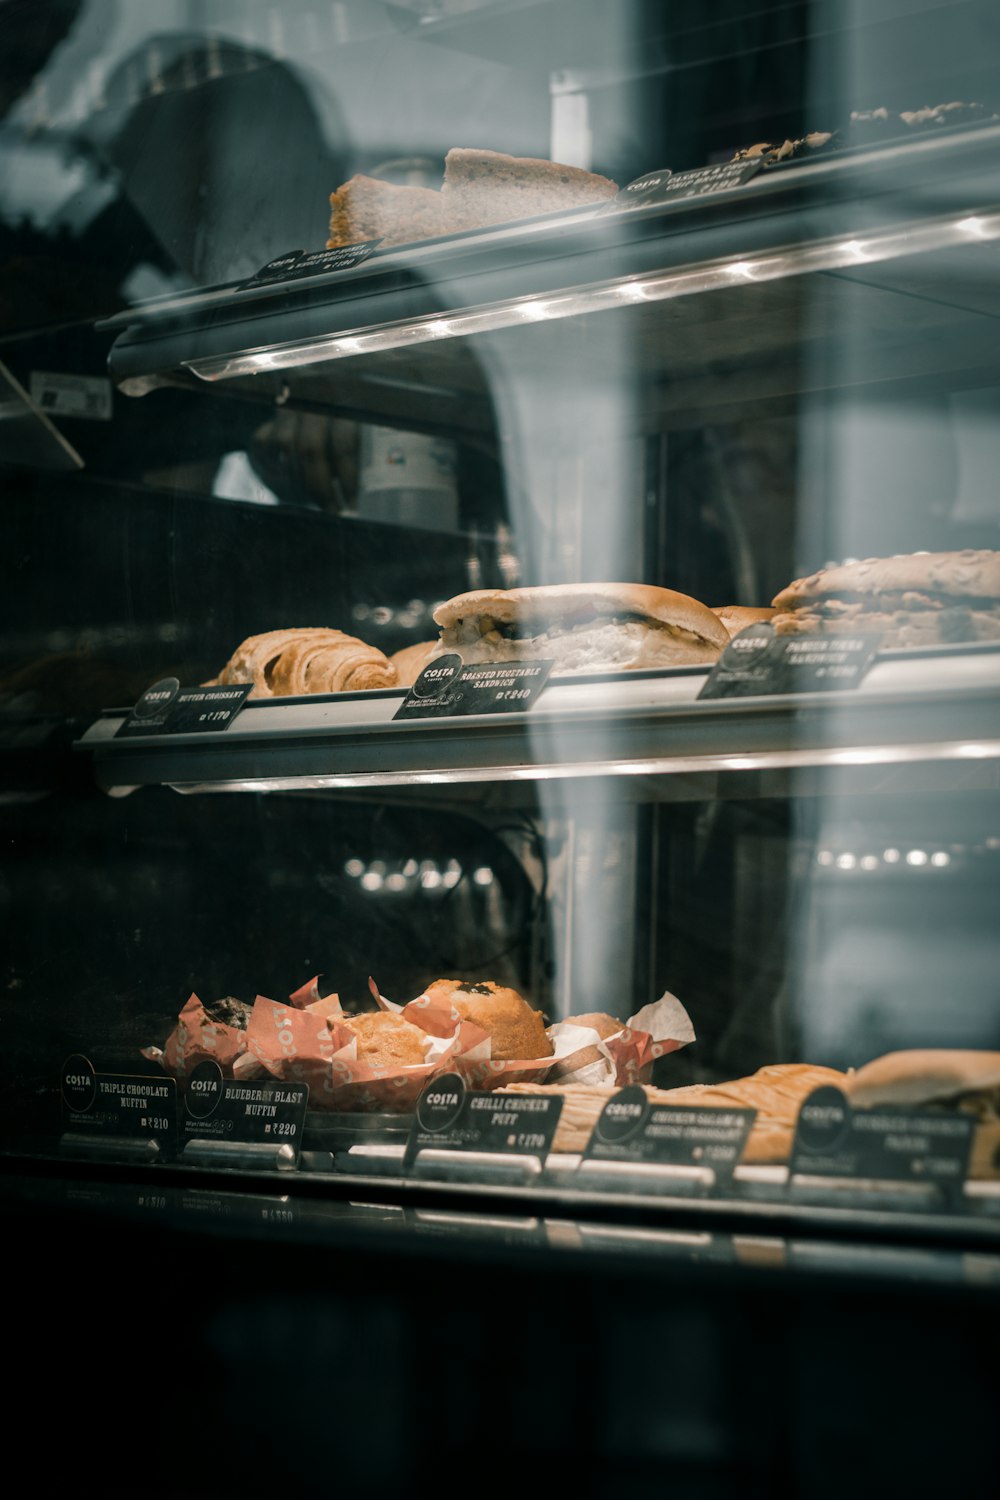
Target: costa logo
pixel 437 678
pixel 204 1090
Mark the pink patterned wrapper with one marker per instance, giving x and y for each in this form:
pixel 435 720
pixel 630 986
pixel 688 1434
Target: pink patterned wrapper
pixel 583 1056
pixel 196 1038
pixel 310 1040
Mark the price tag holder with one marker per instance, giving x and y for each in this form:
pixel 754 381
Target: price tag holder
pixel 109 1108
pixel 252 1119
pixel 633 1132
pixel 449 688
pixel 758 662
pixel 450 1117
pixel 167 708
pixel 664 185
pixel 893 1145
pixel 297 264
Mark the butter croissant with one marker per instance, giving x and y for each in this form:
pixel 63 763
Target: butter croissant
pixel 325 665
pixel 307 660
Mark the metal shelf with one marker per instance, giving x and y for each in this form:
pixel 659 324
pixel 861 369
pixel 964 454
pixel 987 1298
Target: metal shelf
pixel 709 296
pixel 938 708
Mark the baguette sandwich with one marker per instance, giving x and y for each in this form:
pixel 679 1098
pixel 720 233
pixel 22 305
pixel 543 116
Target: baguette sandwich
pixel 916 599
pixel 938 1078
pixel 583 627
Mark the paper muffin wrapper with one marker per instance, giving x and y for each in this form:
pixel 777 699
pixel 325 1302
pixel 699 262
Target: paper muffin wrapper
pixel 584 1056
pixel 307 1039
pixel 195 1039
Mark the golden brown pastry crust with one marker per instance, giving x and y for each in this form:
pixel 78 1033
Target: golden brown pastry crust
pixel 516 1031
pixel 255 658
pixel 737 617
pixel 411 660
pixel 307 660
pixel 776 1092
pixel 339 664
pixel 385 1040
pixel 599 1021
pixel 968 574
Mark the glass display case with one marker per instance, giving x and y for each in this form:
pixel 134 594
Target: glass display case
pixel 540 460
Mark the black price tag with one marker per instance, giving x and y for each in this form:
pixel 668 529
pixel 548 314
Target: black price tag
pixel 881 1144
pixel 446 687
pixel 299 263
pixel 759 662
pixel 664 185
pixel 451 1117
pixel 117 1104
pixel 167 708
pixel 631 1129
pixel 250 1114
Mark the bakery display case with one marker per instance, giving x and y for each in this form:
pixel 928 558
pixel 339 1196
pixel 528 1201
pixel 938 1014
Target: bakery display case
pixel 539 459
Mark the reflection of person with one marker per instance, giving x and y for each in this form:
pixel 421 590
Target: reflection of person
pixel 31 32
pixel 222 156
pixel 205 161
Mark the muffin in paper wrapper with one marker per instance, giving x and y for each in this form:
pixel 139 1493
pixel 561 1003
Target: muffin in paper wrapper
pixel 196 1038
pixel 584 1056
pixel 308 1040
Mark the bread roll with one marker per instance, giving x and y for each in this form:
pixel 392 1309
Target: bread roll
pixel 944 1078
pixel 584 627
pixel 776 1092
pixel 916 599
pixel 516 1031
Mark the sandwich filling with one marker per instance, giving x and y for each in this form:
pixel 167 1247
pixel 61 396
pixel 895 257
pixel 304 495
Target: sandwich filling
pixel 909 618
pixel 578 644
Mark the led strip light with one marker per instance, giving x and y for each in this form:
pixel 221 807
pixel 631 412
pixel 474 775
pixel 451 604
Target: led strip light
pixel 760 760
pixel 916 238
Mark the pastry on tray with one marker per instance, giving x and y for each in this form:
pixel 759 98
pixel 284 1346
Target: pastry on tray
pixel 515 1030
pixel 280 663
pixel 737 617
pixel 914 599
pixel 480 188
pixel 411 660
pixel 776 1092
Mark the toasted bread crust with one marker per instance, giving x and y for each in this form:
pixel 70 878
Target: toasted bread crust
pixel 737 617
pixel 920 1075
pixel 970 574
pixel 554 604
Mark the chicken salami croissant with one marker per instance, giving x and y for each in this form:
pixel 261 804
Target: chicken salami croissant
pixel 281 663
